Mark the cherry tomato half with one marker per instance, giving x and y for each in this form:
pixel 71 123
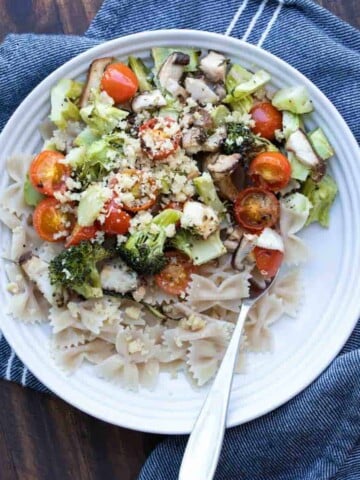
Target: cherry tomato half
pixel 256 209
pixel 47 172
pixel 267 119
pixel 80 234
pixel 268 261
pixel 117 222
pixel 159 137
pixel 50 223
pixel 119 82
pixel 140 184
pixel 270 170
pixel 176 275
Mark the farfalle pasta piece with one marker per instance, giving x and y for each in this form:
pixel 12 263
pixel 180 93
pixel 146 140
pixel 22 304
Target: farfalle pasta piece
pixel 291 221
pixel 70 359
pixel 71 337
pixel 27 303
pixel 12 197
pixel 93 313
pixel 267 310
pixel 288 289
pixel 203 293
pixel 135 346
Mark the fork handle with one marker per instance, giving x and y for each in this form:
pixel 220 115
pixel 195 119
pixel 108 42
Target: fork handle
pixel 204 445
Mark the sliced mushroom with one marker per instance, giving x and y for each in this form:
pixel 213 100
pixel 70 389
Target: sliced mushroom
pixel 199 117
pixel 117 277
pixel 224 165
pixel 214 66
pixel 200 91
pixel 148 101
pixel 233 237
pixel 299 144
pixel 220 90
pixel 245 246
pixel 223 179
pixel 93 78
pixel 214 141
pixel 38 272
pixel 193 140
pixel 171 72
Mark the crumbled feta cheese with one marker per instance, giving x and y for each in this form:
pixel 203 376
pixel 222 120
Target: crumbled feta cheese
pixel 193 323
pixel 139 294
pixel 120 239
pixel 170 230
pixel 133 312
pixel 140 221
pixel 137 346
pixel 71 184
pixel 200 218
pixel 61 234
pixel 279 135
pixel 13 288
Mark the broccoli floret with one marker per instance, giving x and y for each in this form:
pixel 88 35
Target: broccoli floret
pixel 144 249
pixel 240 139
pixel 75 268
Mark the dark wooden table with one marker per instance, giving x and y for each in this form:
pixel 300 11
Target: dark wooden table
pixel 41 437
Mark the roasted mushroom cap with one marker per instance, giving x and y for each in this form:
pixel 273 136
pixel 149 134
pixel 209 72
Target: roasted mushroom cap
pixel 214 66
pixel 221 167
pixel 93 78
pixel 200 91
pixel 148 101
pixel 171 72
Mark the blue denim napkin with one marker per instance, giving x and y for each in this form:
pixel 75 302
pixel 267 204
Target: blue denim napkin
pixel 315 436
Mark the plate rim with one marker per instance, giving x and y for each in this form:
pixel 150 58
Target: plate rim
pixel 151 37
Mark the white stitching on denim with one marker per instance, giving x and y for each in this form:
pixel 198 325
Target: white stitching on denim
pixel 236 18
pixel 271 23
pixel 254 19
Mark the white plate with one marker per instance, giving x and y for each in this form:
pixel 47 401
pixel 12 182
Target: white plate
pixel 304 347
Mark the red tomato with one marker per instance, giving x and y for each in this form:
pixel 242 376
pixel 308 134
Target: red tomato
pixel 47 172
pixel 50 223
pixel 270 170
pixel 120 82
pixel 267 119
pixel 157 139
pixel 268 261
pixel 117 222
pixel 176 275
pixel 143 189
pixel 80 234
pixel 256 209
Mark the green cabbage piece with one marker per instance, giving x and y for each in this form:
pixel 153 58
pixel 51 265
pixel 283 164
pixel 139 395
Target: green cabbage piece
pixel 63 98
pixel 31 196
pixel 101 116
pixel 299 171
pixel 206 190
pixel 321 144
pixel 91 203
pixel 322 195
pixel 294 99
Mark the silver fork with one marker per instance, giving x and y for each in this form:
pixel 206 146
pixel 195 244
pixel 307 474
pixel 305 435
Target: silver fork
pixel 204 445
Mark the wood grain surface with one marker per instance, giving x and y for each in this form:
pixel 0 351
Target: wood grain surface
pixel 41 437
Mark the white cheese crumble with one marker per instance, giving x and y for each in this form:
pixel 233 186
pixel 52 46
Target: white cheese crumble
pixel 200 218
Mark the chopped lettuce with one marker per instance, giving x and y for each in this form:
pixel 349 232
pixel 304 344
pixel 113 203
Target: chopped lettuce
pixel 219 114
pixel 237 75
pixel 257 80
pixel 63 98
pixel 321 144
pixel 206 190
pixel 293 99
pixel 91 203
pixel 101 116
pixel 299 171
pixel 290 123
pixel 85 138
pixel 322 195
pixel 31 196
